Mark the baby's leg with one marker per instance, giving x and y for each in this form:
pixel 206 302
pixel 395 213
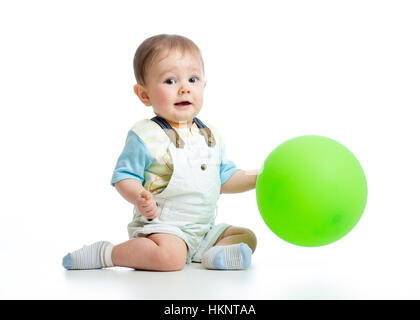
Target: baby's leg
pixel 232 250
pixel 234 235
pixel 157 252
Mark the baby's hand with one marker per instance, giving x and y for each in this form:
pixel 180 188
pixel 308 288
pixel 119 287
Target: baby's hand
pixel 146 205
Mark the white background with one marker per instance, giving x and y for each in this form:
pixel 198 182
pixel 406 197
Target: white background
pixel 348 70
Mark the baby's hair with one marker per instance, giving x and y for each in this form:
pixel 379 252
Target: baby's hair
pixel 150 48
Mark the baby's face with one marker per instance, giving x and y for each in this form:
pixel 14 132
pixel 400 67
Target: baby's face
pixel 175 87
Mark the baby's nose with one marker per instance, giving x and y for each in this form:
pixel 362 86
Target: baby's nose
pixel 184 89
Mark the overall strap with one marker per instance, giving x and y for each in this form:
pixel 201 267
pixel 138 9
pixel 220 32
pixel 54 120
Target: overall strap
pixel 176 139
pixel 170 132
pixel 206 132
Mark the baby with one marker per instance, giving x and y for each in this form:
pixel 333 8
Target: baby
pixel 173 169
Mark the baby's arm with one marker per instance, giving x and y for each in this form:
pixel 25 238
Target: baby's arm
pixel 133 192
pixel 240 181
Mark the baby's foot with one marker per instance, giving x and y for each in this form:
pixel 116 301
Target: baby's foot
pixel 231 257
pixel 94 256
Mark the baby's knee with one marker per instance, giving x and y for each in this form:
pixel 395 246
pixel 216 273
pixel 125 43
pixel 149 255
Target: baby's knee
pixel 251 238
pixel 171 261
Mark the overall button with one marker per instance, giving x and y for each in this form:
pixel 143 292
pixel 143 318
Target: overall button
pixel 203 166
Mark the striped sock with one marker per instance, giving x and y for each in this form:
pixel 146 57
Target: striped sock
pixel 94 256
pixel 232 257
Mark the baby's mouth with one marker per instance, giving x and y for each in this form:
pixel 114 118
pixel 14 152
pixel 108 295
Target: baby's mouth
pixel 183 103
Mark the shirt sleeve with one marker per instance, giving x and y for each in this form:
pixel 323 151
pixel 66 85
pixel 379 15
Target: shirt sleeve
pixel 133 161
pixel 227 167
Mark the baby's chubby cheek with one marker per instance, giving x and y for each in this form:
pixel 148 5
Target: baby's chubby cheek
pixel 164 99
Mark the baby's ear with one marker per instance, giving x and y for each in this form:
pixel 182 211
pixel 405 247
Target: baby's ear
pixel 141 92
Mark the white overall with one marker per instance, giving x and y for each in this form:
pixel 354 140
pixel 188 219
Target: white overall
pixel 187 207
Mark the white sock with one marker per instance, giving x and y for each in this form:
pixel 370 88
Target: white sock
pixel 94 256
pixel 231 257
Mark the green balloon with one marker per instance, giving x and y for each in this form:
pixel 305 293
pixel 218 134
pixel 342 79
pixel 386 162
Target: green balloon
pixel 311 191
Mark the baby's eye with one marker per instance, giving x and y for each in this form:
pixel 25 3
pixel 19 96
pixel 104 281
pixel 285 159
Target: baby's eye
pixel 193 79
pixel 170 81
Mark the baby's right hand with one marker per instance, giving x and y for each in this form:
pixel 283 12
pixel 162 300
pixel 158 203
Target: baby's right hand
pixel 146 205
